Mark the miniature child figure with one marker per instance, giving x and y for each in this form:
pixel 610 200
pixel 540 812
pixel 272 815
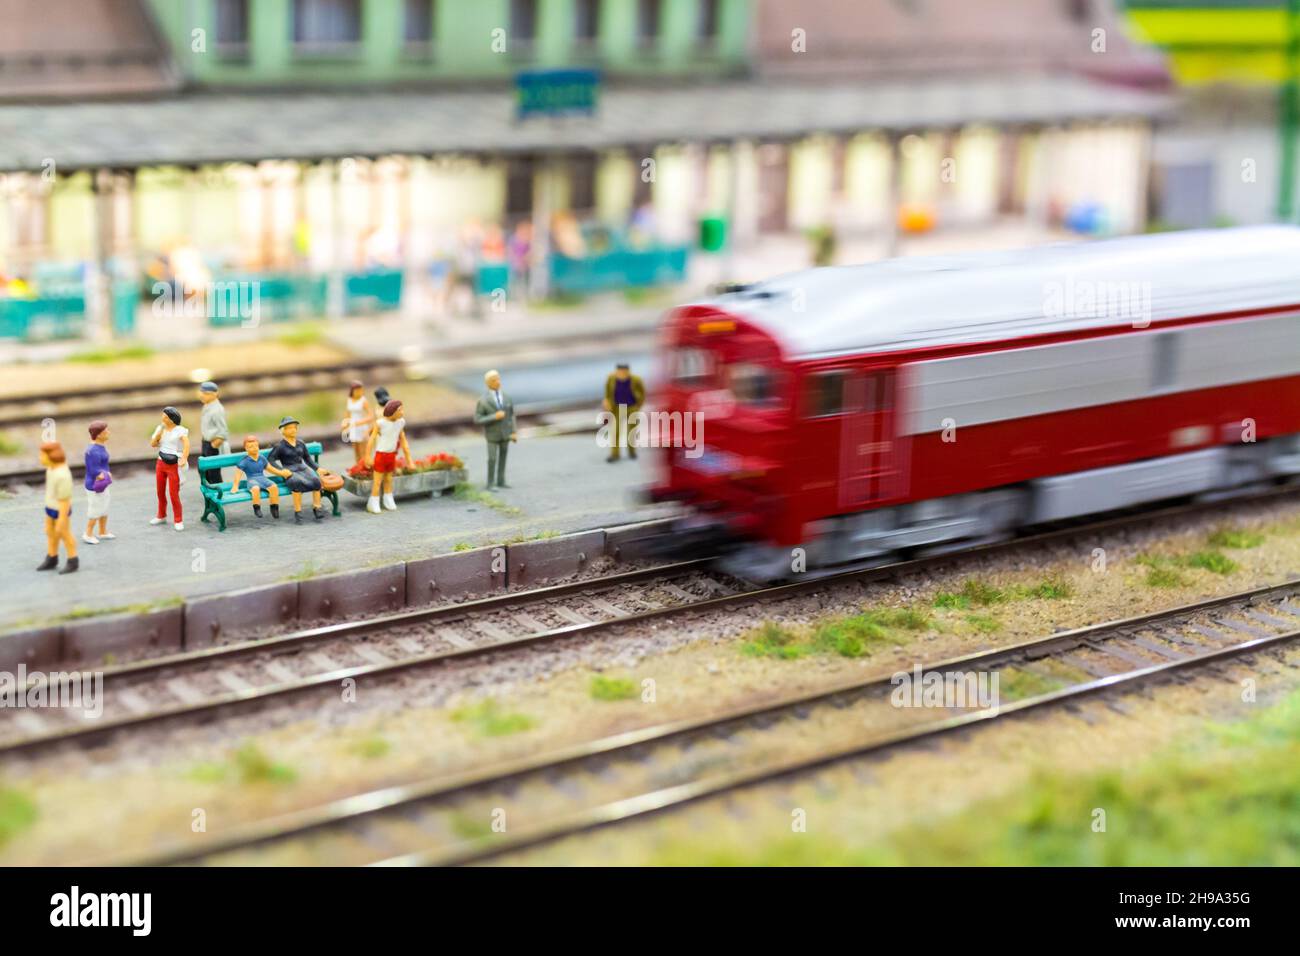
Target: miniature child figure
pixel 213 430
pixel 385 437
pixel 58 509
pixel 173 443
pixel 253 469
pixel 356 427
pixel 97 481
pixel 290 460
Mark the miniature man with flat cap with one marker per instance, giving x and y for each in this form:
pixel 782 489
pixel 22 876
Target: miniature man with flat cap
pixel 213 430
pixel 496 413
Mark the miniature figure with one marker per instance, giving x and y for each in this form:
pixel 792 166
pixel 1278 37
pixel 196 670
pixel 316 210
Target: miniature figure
pixel 381 397
pixel 213 430
pixel 252 468
pixel 172 440
pixel 356 427
pixel 624 396
pixel 496 413
pixel 97 481
pixel 290 460
pixel 385 437
pixel 58 509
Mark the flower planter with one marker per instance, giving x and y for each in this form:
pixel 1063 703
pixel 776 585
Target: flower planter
pixel 440 482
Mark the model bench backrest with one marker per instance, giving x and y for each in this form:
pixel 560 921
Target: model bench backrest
pixel 229 461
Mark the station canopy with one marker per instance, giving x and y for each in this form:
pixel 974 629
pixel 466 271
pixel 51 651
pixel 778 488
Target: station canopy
pixel 219 127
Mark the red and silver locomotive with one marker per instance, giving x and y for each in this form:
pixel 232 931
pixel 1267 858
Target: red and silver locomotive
pixel 863 413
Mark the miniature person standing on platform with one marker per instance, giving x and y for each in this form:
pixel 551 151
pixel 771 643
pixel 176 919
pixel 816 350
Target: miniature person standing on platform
pixel 97 481
pixel 386 436
pixel 356 427
pixel 172 440
pixel 496 413
pixel 213 430
pixel 58 509
pixel 624 396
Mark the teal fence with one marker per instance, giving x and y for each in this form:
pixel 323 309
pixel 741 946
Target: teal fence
pixel 61 314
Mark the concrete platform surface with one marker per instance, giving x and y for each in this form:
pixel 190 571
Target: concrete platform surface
pixel 560 484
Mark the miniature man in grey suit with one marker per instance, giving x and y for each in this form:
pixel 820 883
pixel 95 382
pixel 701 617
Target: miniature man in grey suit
pixel 496 413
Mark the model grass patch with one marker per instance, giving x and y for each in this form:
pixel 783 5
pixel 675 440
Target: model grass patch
pixel 249 764
pixel 17 813
pixel 1244 779
pixel 1237 539
pixel 8 448
pixel 1169 571
pixel 979 593
pixel 857 635
pixel 487 718
pixel 106 356
pixel 315 408
pixel 371 748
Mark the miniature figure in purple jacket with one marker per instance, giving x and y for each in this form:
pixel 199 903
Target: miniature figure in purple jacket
pixel 98 479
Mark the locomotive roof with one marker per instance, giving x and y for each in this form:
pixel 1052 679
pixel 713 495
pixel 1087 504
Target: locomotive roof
pixel 989 296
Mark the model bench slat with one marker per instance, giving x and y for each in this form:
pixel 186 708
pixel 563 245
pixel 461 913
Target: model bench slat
pixel 217 495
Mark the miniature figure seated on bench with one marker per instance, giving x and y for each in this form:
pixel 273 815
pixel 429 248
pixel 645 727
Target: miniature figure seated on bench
pixel 253 475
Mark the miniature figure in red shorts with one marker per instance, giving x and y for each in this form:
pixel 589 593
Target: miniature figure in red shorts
pixel 386 436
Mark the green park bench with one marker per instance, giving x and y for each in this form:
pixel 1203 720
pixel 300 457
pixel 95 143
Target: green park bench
pixel 217 496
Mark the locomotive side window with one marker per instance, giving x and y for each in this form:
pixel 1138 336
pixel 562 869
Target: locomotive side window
pixel 1164 366
pixel 825 394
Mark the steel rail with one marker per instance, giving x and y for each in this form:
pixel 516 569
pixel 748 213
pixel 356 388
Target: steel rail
pixel 349 809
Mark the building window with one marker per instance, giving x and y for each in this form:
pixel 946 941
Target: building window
pixel 417 25
pixel 519 189
pixel 647 23
pixel 706 26
pixel 586 25
pixel 326 26
pixel 523 27
pixel 582 183
pixel 232 27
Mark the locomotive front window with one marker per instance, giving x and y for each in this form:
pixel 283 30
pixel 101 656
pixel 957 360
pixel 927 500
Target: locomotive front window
pixel 692 367
pixel 754 384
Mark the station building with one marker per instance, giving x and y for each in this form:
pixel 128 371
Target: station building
pixel 318 135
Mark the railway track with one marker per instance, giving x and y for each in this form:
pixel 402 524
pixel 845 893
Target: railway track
pixel 33 409
pixel 661 767
pixel 220 681
pixel 235 676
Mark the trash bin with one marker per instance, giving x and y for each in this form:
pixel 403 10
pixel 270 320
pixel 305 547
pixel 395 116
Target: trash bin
pixel 713 233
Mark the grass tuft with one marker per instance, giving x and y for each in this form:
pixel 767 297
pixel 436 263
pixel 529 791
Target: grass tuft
pixel 975 592
pixel 255 766
pixel 1236 538
pixel 488 719
pixel 612 688
pixel 17 813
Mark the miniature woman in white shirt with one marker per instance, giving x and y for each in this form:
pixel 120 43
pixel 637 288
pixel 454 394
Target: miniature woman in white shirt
pixel 356 427
pixel 386 437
